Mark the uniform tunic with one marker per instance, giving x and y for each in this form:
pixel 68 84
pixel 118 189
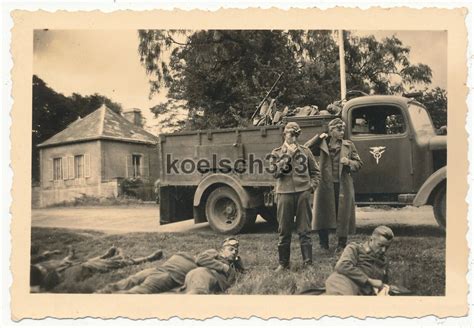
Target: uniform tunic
pixel 335 152
pixel 297 174
pixel 302 174
pixel 213 275
pixel 356 264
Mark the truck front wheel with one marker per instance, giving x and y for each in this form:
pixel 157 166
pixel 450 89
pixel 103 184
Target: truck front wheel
pixel 439 206
pixel 225 212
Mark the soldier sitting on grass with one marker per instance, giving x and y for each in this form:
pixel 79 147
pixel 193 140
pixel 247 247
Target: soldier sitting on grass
pixel 362 269
pixel 210 272
pixel 45 274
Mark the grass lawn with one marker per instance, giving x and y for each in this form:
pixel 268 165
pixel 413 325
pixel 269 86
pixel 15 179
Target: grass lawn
pixel 417 257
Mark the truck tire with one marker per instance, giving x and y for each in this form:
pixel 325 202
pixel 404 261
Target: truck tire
pixel 225 212
pixel 439 206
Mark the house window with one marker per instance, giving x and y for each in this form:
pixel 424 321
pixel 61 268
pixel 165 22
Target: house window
pixel 137 165
pixel 79 166
pixel 57 169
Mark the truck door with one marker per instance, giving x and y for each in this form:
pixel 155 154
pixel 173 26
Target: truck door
pixel 381 135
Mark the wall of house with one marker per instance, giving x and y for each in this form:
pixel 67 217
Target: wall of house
pixel 107 168
pixel 69 187
pixel 115 156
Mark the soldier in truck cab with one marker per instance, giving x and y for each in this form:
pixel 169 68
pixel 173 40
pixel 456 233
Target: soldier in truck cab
pixel 297 174
pixel 334 198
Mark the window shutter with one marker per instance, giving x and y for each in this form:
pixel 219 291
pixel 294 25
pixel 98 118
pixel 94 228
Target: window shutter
pixel 50 169
pixel 128 166
pixel 145 167
pixel 64 168
pixel 70 164
pixel 87 165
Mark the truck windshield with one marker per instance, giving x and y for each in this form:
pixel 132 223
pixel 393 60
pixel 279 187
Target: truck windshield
pixel 421 120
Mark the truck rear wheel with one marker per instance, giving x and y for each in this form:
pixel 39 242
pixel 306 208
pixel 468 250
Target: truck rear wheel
pixel 225 212
pixel 439 206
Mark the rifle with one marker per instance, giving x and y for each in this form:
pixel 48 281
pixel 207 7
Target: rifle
pixel 266 96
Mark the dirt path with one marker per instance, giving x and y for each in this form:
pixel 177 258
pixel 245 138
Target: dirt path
pixel 146 218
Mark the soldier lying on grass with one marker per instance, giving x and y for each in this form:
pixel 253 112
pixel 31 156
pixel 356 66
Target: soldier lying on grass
pixel 210 272
pixel 45 274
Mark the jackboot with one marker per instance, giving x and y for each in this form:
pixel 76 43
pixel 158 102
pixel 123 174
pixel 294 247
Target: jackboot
pixel 307 254
pixel 342 241
pixel 323 239
pixel 283 258
pixel 341 244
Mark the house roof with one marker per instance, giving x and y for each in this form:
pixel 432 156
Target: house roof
pixel 103 123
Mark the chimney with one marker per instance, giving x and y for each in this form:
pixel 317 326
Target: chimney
pixel 134 116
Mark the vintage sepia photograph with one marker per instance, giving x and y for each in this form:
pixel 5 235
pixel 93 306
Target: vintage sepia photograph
pixel 239 162
pixel 193 162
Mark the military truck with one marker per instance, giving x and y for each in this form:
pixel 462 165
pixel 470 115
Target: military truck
pixel 223 176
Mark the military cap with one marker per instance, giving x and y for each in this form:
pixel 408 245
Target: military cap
pixel 336 123
pixel 231 241
pixel 383 231
pixel 292 127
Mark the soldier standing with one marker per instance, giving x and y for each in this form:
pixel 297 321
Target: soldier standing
pixel 335 202
pixel 297 174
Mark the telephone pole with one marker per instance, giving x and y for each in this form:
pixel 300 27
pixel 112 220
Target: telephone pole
pixel 342 64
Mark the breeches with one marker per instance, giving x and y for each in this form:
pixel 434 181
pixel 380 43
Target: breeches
pixel 338 284
pixel 201 281
pixel 294 208
pixel 149 281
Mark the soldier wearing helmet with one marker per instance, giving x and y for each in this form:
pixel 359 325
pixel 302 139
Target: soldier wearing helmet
pixel 217 269
pixel 297 175
pixel 334 200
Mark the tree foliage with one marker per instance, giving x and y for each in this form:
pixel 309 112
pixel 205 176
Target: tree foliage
pixel 436 101
pixel 225 73
pixel 53 112
pixel 382 67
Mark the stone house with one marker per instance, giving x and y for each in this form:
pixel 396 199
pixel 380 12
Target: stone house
pixel 95 154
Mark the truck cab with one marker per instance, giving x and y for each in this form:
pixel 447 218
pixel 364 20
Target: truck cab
pixel 398 144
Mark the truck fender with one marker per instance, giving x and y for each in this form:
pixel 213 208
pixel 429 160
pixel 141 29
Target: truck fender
pixel 224 179
pixel 430 184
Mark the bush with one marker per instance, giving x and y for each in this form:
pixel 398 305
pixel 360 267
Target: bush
pixel 137 188
pixel 87 200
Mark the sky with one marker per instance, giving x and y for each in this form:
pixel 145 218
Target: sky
pixel 107 62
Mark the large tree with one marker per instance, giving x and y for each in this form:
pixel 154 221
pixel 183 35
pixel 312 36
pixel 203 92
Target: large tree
pixel 225 73
pixel 53 112
pixel 382 67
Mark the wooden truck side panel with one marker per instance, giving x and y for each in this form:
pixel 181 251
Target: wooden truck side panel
pixel 189 157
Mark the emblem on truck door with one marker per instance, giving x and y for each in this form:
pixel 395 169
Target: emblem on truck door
pixel 377 152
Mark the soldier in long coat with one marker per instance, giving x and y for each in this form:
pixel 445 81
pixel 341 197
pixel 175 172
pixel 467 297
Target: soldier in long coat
pixel 334 206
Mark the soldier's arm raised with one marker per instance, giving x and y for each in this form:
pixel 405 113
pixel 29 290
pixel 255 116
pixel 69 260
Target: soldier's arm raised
pixel 314 143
